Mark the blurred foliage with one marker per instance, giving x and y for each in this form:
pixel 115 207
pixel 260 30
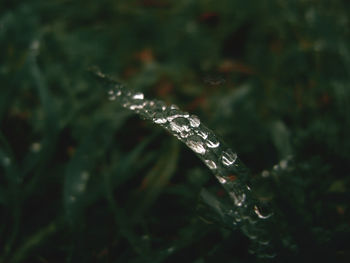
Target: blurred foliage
pixel 83 180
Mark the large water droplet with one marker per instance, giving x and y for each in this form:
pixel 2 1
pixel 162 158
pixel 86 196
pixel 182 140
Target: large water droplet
pixel 211 164
pixel 180 125
pixel 175 113
pixel 228 157
pixel 195 143
pixel 202 133
pixel 194 121
pixel 159 118
pixel 212 142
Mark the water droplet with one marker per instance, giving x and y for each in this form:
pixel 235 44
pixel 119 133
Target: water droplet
pixel 174 107
pixel 212 142
pixel 110 92
pixel 221 179
pixel 119 93
pixel 195 143
pixel 158 105
pixel 159 118
pixel 211 164
pixel 174 113
pixel 135 107
pixel 194 121
pixel 238 198
pixel 260 215
pixel 202 133
pixel 138 96
pixel 228 157
pixel 179 125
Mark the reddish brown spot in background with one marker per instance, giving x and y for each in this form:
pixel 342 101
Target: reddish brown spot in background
pixel 232 177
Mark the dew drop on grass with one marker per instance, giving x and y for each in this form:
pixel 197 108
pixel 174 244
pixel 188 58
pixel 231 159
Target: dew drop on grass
pixel 211 164
pixel 175 113
pixel 196 144
pixel 203 134
pixel 259 213
pixel 160 120
pixel 238 198
pixel 181 127
pixel 228 157
pixel 212 142
pixel 194 121
pixel 221 179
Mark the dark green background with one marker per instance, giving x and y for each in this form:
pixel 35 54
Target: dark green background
pixel 83 180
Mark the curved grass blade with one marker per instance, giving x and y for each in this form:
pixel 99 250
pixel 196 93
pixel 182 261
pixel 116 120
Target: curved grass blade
pixel 224 163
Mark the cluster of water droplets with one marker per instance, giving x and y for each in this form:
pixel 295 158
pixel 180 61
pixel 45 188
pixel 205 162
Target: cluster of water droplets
pixel 222 161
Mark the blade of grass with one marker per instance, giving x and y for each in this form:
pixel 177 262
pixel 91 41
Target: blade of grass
pixel 157 178
pixel 33 241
